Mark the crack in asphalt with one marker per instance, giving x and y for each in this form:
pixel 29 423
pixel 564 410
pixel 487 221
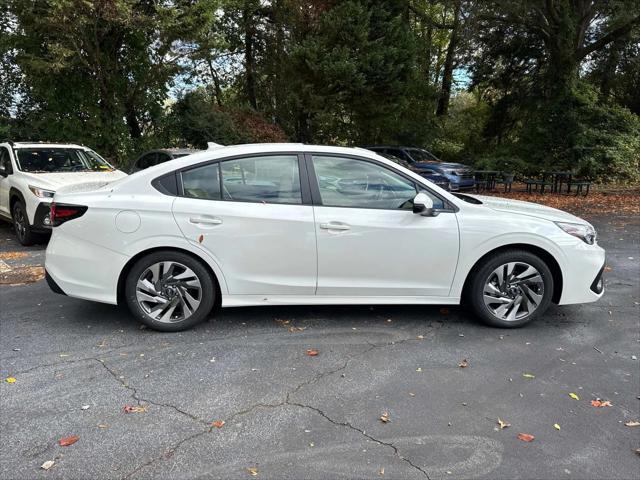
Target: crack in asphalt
pixel 169 451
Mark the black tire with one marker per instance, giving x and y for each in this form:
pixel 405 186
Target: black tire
pixel 207 284
pixel 481 275
pixel 21 224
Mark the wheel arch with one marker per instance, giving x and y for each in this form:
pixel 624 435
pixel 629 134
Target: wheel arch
pixel 127 268
pixel 14 196
pixel 544 255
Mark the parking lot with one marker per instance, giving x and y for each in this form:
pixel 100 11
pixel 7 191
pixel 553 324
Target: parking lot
pixel 83 369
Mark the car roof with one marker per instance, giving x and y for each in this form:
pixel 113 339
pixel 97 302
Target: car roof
pixel 172 151
pixel 46 145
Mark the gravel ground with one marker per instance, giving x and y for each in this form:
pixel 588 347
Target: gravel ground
pixel 290 415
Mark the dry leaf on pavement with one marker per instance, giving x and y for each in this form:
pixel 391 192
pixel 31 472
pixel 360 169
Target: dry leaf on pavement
pixel 574 396
pixel 218 423
pixel 312 352
pixel 464 363
pixel 253 471
pixel 134 409
pixel 65 442
pixel 632 423
pixel 384 418
pixel 528 375
pixel 503 424
pixel 556 426
pixel 381 472
pixel 10 380
pixel 47 465
pixel 525 437
pixel 600 403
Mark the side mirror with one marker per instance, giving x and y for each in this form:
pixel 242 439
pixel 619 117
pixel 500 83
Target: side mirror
pixel 423 205
pixel 3 170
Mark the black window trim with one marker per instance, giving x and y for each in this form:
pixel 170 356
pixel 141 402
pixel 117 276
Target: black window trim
pixel 315 188
pixel 302 175
pixel 10 164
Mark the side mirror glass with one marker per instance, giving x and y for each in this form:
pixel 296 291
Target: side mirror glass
pixel 423 205
pixel 3 170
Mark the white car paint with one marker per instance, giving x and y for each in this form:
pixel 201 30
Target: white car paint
pixel 275 254
pixel 18 182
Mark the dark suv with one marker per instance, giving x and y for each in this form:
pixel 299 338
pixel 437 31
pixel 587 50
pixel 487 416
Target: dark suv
pixel 155 157
pixel 460 176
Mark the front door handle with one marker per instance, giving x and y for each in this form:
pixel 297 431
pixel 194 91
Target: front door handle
pixel 334 226
pixel 205 221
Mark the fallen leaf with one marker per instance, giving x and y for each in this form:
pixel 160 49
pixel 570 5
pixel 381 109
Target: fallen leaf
pixel 296 329
pixel 384 418
pixel 10 380
pixel 632 423
pixel 253 471
pixel 503 424
pixel 85 407
pixel 419 369
pixel 556 426
pixel 381 472
pixel 444 311
pixel 607 268
pixel 525 437
pixel 103 425
pixel 420 337
pixel 312 352
pixel 134 409
pixel 528 375
pixel 218 423
pixel 638 451
pixel 600 403
pixel 464 363
pixel 65 442
pixel 283 322
pixel 574 396
pixel 47 465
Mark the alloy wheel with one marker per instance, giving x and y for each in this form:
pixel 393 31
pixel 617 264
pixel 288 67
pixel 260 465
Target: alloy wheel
pixel 513 291
pixel 19 219
pixel 168 292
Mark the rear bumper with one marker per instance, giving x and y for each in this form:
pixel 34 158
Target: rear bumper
pixel 52 284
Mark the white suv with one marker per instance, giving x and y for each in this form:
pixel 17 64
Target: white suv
pixel 30 174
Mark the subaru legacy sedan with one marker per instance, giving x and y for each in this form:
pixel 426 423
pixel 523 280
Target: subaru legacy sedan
pixel 292 224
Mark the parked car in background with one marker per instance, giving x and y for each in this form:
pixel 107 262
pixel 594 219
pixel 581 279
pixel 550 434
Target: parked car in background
pixel 31 173
pixel 293 224
pixel 428 173
pixel 156 157
pixel 460 176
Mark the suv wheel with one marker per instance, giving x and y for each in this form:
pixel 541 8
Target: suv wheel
pixel 511 289
pixel 21 224
pixel 169 291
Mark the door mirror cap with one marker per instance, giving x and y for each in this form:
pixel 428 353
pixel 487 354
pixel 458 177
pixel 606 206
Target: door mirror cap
pixel 423 205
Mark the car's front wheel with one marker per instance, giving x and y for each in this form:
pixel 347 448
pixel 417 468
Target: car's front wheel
pixel 511 288
pixel 169 291
pixel 21 224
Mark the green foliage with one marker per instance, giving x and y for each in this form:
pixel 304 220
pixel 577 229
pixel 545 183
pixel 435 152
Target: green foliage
pixel 541 85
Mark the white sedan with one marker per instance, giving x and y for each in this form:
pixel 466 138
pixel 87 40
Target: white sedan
pixel 292 224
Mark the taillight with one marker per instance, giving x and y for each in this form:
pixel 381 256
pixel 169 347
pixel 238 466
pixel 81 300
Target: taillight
pixel 62 212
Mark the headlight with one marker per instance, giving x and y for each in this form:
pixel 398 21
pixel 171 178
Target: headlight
pixel 41 192
pixel 584 232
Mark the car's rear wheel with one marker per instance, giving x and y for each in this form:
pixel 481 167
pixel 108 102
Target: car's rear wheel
pixel 21 224
pixel 170 291
pixel 511 289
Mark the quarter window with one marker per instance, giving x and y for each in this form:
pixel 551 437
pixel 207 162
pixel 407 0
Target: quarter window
pixel 345 182
pixel 270 179
pixel 202 182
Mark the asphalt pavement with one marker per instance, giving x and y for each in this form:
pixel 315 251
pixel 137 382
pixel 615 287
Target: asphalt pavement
pixel 143 403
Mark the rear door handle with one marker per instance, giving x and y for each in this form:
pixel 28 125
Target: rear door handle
pixel 335 226
pixel 205 221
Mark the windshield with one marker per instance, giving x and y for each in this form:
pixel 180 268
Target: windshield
pixel 420 155
pixel 60 160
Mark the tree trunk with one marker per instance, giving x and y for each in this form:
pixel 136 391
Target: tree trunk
pixel 447 74
pixel 132 121
pixel 249 60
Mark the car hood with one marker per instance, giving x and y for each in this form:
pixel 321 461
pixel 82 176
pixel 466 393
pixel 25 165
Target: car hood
pixel 527 208
pixel 55 181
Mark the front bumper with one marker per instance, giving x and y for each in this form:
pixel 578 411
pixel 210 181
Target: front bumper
pixel 582 274
pixel 41 219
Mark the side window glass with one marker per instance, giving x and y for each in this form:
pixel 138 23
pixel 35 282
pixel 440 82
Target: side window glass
pixel 161 158
pixel 5 161
pixel 345 182
pixel 202 182
pixel 270 179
